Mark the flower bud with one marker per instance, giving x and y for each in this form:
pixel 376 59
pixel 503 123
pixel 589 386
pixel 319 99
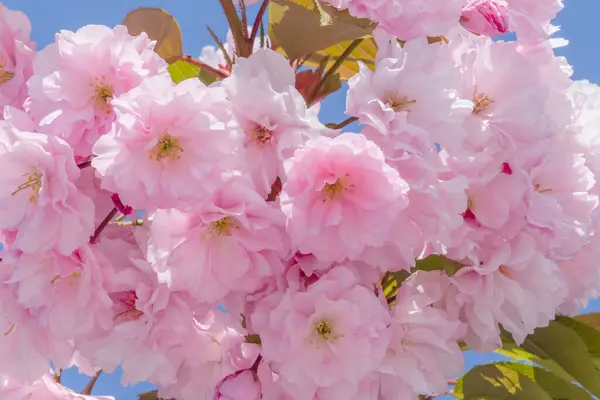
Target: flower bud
pixel 485 17
pixel 242 385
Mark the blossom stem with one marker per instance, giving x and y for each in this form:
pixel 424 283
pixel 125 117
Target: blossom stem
pixel 200 64
pixel 257 22
pixel 91 383
pixel 254 367
pixel 58 375
pixel 342 124
pixel 103 225
pixel 331 71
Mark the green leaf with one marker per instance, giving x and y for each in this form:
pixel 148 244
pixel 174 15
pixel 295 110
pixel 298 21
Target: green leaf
pixel 435 262
pixel 498 381
pixel 159 25
pixel 561 350
pixel 294 19
pixel 181 70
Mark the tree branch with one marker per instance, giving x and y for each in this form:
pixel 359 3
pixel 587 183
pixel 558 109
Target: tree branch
pixel 91 383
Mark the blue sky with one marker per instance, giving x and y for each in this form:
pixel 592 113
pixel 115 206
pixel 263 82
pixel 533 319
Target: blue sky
pixel 578 21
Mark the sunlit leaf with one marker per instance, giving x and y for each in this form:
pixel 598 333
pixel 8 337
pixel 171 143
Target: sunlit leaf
pixel 293 19
pixel 437 262
pixel 181 70
pixel 511 380
pixel 561 350
pixel 159 25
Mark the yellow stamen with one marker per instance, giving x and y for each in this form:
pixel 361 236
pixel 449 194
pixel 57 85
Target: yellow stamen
pixel 334 190
pixel 5 75
pixel 223 227
pixel 34 181
pixel 482 103
pixel 260 134
pixel 167 147
pixel 399 103
pixel 9 330
pixel 102 92
pixel 324 329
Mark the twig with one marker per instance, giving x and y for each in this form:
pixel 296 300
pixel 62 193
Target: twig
pixel 257 23
pixel 342 124
pixel 204 66
pixel 91 383
pixel 331 71
pixel 103 225
pixel 58 375
pixel 256 364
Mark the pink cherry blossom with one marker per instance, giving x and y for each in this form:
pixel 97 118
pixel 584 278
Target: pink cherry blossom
pixel 486 17
pixel 177 138
pixel 271 113
pixel 423 353
pixel 405 115
pixel 406 19
pixel 324 341
pixel 515 285
pixel 16 57
pixel 76 78
pixel 39 198
pixel 230 247
pixel 215 350
pixel 334 187
pixel 66 293
pixel 242 385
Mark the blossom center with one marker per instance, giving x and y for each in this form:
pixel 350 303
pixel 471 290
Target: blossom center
pixel 482 103
pixel 102 93
pixel 261 134
pixel 34 182
pixel 334 190
pixel 5 75
pixel 399 103
pixel 324 329
pixel 223 226
pixel 124 303
pixel 71 278
pixel 167 147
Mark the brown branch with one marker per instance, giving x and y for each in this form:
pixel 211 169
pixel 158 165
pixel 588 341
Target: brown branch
pixel 342 124
pixel 91 383
pixel 257 23
pixel 103 225
pixel 204 66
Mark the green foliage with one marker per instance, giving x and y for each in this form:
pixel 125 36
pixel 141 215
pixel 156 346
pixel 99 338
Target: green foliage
pixel 300 30
pixel 181 70
pixel 513 380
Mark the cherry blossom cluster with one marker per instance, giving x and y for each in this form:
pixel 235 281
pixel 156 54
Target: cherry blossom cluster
pixel 222 243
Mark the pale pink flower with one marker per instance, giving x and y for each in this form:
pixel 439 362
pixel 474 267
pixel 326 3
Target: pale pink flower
pixel 405 115
pixel 242 385
pixel 406 19
pixel 514 285
pixel 423 353
pixel 16 57
pixel 340 197
pixel 271 113
pixel 232 246
pixel 45 388
pixel 38 196
pixel 485 17
pixel 66 291
pixel 558 199
pixel 214 350
pixel 176 139
pixel 323 342
pixel 76 78
pixel 530 19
